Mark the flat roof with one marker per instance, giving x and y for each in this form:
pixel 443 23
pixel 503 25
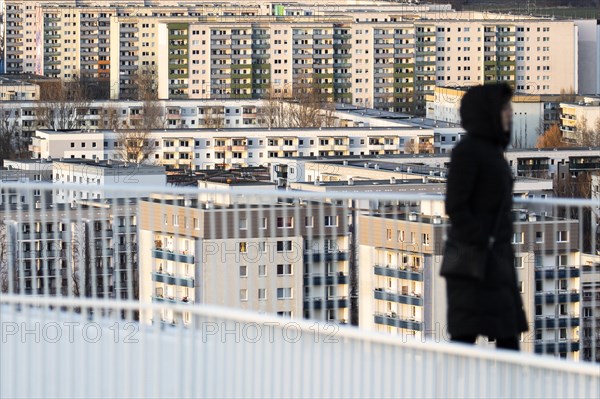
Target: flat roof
pixel 107 164
pixel 262 129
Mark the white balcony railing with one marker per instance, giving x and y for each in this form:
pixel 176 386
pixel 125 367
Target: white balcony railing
pixel 243 308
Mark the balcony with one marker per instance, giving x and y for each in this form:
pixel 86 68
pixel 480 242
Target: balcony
pixel 524 168
pixel 172 256
pixel 326 303
pixel 329 256
pixel 171 299
pixel 403 272
pixel 329 279
pixel 551 297
pixel 560 272
pixel 556 322
pixel 392 319
pixel 167 278
pixel 400 297
pixel 552 347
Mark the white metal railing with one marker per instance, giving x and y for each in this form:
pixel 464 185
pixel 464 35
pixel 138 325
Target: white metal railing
pixel 234 353
pixel 164 260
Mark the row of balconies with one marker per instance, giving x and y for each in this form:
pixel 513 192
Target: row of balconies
pixel 403 272
pixel 553 321
pixel 414 298
pixel 394 320
pixel 551 297
pixel 330 302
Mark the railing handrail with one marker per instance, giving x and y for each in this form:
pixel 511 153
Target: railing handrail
pixel 339 195
pixel 218 312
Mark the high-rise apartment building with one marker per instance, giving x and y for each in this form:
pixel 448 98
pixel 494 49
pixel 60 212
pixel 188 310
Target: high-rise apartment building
pixel 387 58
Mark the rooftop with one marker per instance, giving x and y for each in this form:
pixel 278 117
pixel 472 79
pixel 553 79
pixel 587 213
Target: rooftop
pixel 106 164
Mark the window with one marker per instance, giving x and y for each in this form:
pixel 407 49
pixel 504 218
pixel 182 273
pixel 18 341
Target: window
pixel 262 294
pixel 562 332
pixel 308 221
pixel 196 224
pixel 518 262
pixel 401 236
pixel 284 270
pixel 243 247
pixel 285 314
pixel 518 238
pixel 587 312
pixel 284 293
pixel 389 234
pixel 243 224
pixel 262 270
pixel 175 219
pixel 243 294
pixel 263 223
pixel 521 287
pixel 562 236
pixel 284 246
pixel 539 237
pixel 425 239
pixel 561 260
pixel 330 221
pixel 285 222
pixel 562 309
pixel 243 271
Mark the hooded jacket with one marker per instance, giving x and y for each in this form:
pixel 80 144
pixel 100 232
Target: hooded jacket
pixel 479 195
pixel 480 112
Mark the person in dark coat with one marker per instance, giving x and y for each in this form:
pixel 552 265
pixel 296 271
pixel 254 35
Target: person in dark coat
pixel 479 192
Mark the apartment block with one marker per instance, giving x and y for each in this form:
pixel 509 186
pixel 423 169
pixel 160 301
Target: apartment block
pixel 17 90
pixel 531 167
pixel 100 179
pixel 88 250
pixel 401 292
pixel 533 114
pixel 590 307
pixel 222 148
pixel 585 114
pixel 28 116
pixel 388 57
pixel 287 259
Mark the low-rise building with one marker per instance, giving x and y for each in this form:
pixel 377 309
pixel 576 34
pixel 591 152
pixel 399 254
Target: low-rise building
pixel 17 90
pixel 102 179
pixel 533 114
pixel 583 114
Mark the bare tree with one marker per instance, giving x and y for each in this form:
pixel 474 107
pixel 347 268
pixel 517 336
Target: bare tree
pixel 4 270
pixel 308 101
pixel 133 141
pixel 410 147
pixel 567 95
pixel 64 107
pixel 11 142
pixel 146 81
pixel 585 136
pixel 214 117
pixel 134 145
pixel 111 119
pixel 306 106
pixel 273 112
pixel 153 115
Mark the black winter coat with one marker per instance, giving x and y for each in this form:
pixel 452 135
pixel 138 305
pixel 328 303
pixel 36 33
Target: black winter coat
pixel 479 187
